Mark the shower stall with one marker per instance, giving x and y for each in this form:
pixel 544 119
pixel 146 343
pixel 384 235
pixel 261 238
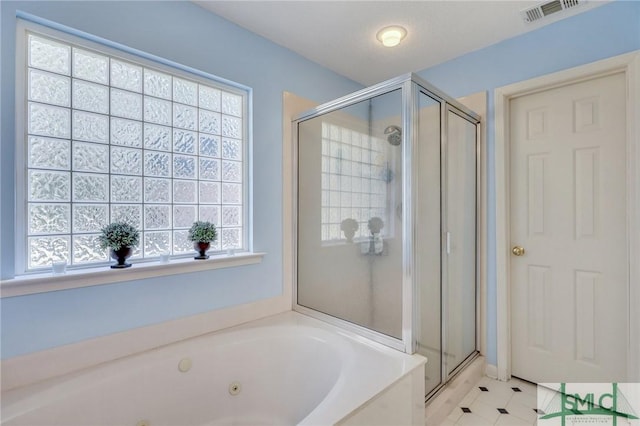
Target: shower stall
pixel 386 223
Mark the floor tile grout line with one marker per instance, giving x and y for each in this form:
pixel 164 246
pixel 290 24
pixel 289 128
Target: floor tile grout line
pixel 502 386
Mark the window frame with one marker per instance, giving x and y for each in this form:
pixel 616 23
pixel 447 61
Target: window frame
pixel 25 26
pixel 388 197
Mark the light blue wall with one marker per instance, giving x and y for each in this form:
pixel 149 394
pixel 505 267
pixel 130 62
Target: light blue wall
pixel 184 33
pixel 606 31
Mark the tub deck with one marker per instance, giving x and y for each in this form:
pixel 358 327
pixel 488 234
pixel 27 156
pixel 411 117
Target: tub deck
pixel 284 369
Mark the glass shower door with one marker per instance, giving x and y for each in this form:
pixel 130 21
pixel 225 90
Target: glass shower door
pixel 446 239
pixel 459 265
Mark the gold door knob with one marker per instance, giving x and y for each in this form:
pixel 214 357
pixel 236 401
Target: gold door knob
pixel 518 251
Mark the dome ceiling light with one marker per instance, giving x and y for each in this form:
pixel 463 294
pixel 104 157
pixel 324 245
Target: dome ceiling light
pixel 391 36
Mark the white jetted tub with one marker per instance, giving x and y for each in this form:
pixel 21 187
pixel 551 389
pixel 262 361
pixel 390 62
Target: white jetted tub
pixel 283 370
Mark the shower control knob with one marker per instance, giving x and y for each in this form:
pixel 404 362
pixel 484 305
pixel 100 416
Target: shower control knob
pixel 518 251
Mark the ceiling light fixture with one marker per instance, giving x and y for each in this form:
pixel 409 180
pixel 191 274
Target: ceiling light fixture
pixel 391 36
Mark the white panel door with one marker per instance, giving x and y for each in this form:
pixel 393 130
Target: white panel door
pixel 569 307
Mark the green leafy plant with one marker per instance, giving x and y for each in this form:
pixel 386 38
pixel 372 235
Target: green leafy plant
pixel 349 226
pixel 203 232
pixel 117 235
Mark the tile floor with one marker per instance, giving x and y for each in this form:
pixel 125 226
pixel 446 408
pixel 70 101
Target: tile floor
pixel 492 402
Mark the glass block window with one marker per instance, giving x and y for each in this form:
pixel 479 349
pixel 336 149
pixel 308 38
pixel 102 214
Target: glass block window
pixel 354 181
pixel 109 139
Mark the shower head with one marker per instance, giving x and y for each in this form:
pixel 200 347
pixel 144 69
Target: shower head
pixel 394 135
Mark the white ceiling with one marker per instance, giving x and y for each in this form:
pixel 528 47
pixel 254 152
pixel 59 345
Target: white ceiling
pixel 341 35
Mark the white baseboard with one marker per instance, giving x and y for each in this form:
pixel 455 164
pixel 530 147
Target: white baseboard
pixel 35 367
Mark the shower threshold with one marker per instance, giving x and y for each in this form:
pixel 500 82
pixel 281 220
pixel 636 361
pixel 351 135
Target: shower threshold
pixel 442 400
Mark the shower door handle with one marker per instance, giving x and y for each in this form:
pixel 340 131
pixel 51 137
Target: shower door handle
pixel 448 243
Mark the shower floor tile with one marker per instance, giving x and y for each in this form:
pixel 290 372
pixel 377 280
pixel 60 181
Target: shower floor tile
pixel 492 402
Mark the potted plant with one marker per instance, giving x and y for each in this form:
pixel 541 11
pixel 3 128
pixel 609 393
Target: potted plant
pixel 120 238
pixel 349 226
pixel 202 234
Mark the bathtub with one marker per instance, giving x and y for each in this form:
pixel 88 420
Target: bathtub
pixel 282 370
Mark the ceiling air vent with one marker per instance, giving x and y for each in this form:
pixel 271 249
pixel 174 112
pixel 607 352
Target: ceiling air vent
pixel 545 9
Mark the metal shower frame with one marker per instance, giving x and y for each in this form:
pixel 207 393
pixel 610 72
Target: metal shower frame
pixel 411 86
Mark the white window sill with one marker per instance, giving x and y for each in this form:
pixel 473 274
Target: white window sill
pixel 42 283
